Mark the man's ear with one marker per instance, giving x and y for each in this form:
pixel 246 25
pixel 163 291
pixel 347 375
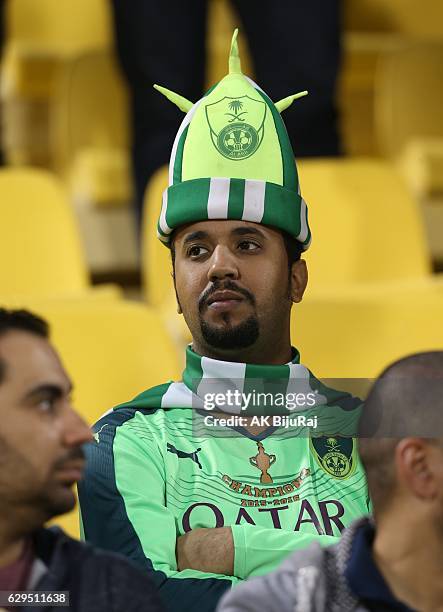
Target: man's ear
pixel 299 280
pixel 414 465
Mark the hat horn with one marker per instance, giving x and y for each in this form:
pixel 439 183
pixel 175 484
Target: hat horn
pixel 234 56
pixel 182 103
pixel 285 103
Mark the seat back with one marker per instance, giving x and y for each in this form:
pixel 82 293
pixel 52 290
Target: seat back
pixel 156 258
pixel 40 245
pixel 59 26
pixel 365 224
pixel 357 336
pixel 409 96
pixel 405 17
pixel 90 111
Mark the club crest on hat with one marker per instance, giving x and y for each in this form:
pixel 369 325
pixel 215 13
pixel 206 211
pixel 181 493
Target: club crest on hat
pixel 236 125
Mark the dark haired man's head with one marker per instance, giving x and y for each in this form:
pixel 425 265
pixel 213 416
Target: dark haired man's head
pixel 40 434
pixel 235 283
pixel 401 436
pixel 21 320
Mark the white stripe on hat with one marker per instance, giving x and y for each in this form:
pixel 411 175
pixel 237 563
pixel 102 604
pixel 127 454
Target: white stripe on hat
pixel 218 198
pixel 254 204
pixel 162 221
pixel 184 124
pixel 303 222
pixel 164 239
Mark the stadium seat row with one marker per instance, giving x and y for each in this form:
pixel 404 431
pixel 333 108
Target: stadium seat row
pixel 59 72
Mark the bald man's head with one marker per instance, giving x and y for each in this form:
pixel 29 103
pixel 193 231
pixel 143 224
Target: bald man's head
pixel 406 401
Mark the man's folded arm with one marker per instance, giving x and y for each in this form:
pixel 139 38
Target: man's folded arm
pixel 242 550
pixel 259 550
pixel 123 509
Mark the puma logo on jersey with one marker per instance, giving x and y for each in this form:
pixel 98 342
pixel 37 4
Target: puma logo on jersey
pixel 97 434
pixel 182 455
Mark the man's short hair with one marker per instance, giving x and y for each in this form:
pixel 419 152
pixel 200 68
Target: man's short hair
pixel 21 320
pixel 293 248
pixel 405 401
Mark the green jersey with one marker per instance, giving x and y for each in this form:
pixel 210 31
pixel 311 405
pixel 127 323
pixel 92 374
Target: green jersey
pixel 165 463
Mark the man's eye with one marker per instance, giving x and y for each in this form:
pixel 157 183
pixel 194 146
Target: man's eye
pixel 248 245
pixel 46 405
pixel 197 251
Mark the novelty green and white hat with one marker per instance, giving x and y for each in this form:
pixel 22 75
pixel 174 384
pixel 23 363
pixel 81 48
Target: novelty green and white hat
pixel 232 159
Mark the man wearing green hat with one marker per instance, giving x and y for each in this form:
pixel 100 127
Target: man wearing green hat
pixel 218 477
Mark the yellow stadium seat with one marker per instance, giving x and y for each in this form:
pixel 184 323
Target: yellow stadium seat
pixel 409 96
pixel 421 164
pixel 40 33
pixel 409 122
pixel 362 51
pixel 112 351
pixel 40 37
pixel 345 335
pixel 365 224
pixel 90 112
pixel 98 293
pixel 40 245
pixel 39 241
pixel 156 258
pixel 90 141
pixel 372 30
pixel 409 18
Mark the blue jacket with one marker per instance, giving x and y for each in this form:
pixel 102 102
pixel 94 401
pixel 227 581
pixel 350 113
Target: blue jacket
pixel 97 581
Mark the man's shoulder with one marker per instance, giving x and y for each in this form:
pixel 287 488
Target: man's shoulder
pixel 340 392
pixel 91 571
pixel 168 395
pixel 146 415
pixel 146 403
pixel 300 578
pixel 149 399
pixel 56 548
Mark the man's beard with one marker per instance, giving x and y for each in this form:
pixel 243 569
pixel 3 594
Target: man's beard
pixel 240 336
pixel 52 504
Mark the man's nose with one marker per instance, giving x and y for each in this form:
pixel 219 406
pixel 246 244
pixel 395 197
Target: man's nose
pixel 77 431
pixel 223 264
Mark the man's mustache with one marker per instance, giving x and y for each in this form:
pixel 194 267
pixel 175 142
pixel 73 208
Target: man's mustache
pixel 221 286
pixel 75 454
